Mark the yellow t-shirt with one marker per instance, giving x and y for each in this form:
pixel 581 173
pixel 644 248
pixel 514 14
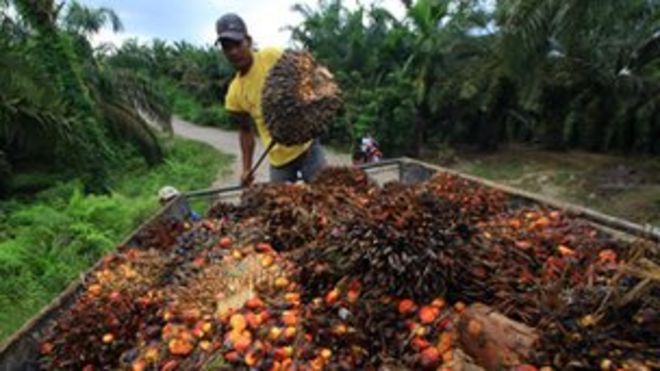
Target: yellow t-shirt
pixel 244 96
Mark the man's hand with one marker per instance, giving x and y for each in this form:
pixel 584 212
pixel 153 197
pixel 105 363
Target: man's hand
pixel 247 178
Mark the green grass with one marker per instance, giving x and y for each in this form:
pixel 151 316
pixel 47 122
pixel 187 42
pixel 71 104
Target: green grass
pixel 50 238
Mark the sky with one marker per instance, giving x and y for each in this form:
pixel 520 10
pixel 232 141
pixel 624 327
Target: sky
pixel 194 20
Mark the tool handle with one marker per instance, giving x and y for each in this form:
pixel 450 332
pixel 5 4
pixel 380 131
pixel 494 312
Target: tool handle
pixel 261 159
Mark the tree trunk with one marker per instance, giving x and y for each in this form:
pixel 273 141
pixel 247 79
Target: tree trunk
pixel 493 340
pixel 487 132
pixel 5 174
pixel 421 123
pixel 555 100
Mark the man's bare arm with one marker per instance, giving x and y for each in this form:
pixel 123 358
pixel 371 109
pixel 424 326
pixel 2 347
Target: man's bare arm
pixel 246 141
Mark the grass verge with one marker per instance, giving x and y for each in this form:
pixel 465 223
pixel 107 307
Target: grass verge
pixel 626 187
pixel 50 238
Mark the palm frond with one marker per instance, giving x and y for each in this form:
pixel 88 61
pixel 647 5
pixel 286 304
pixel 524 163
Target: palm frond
pixel 126 123
pixel 28 104
pixel 82 19
pixel 142 94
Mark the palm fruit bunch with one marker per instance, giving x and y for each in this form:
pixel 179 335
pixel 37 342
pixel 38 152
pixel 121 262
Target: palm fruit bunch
pixel 398 248
pixel 346 274
pixel 300 98
pixel 118 302
pixel 290 216
pixel 334 177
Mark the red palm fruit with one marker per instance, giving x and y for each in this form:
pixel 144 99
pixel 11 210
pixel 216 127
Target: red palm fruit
pixel 406 306
pixel 225 242
pixel 263 247
pixel 428 314
pixel 332 296
pixel 232 357
pixel 419 343
pixel 430 358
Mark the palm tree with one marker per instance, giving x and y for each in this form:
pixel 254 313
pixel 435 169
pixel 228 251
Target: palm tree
pixel 579 54
pixel 126 99
pixel 364 48
pixel 439 27
pixel 32 118
pixel 89 105
pixel 86 21
pixel 567 73
pixel 58 57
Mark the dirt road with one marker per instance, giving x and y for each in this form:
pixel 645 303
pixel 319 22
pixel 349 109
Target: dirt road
pixel 227 142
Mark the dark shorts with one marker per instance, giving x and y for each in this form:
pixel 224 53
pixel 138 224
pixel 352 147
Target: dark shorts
pixel 305 166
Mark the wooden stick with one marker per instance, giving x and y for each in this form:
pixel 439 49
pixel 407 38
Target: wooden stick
pixel 261 159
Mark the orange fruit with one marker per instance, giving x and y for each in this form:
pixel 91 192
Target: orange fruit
pixel 179 347
pixel 281 282
pixel 46 348
pixel 292 297
pixel 428 314
pixel 152 354
pixel 225 242
pixel 439 303
pixel 254 303
pixel 289 318
pixel 419 343
pixel 430 358
pixel 264 247
pixel 243 342
pixel 406 306
pixel 108 338
pixel 139 365
pixel 274 333
pixel 266 261
pixel 283 353
pixel 332 296
pixel 289 333
pixel 237 322
pixel 251 359
pixel 253 320
pixel 339 329
pixel 232 357
pixel 94 290
pixel 326 353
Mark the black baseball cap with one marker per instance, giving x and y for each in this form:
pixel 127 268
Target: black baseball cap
pixel 230 26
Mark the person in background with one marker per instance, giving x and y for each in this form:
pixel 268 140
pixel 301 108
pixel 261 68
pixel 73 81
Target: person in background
pixel 366 150
pixel 371 149
pixel 243 102
pixel 168 193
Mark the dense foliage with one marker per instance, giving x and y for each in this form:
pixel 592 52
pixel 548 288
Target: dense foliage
pixel 561 74
pixel 194 79
pixel 564 74
pixel 60 99
pixel 47 239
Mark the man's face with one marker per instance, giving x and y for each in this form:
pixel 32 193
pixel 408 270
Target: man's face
pixel 237 52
